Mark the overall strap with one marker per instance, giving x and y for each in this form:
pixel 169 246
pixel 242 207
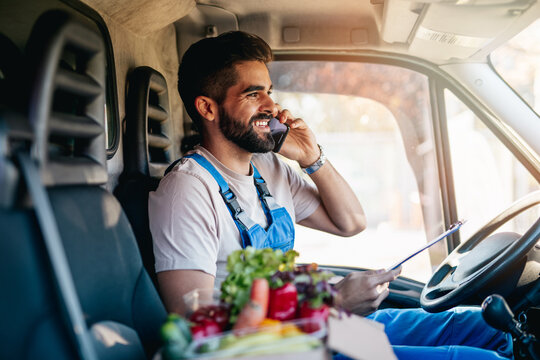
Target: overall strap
pixel 242 221
pixel 170 167
pixel 267 199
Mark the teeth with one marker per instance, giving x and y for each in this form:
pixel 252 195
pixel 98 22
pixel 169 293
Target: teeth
pixel 261 122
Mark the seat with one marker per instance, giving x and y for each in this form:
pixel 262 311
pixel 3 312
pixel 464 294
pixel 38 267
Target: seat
pixel 121 306
pixel 148 152
pixel 32 323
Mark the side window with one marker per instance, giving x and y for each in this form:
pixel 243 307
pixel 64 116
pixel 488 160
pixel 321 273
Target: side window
pixel 487 176
pixel 374 123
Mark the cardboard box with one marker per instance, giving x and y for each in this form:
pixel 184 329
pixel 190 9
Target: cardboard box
pixel 359 338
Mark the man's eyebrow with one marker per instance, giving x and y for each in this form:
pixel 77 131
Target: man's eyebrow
pixel 256 88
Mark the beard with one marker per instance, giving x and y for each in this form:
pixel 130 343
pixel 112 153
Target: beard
pixel 245 136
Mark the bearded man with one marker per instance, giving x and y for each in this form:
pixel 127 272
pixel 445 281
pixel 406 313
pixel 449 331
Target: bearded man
pixel 232 191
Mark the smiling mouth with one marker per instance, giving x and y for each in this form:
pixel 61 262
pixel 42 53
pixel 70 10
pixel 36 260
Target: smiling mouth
pixel 261 123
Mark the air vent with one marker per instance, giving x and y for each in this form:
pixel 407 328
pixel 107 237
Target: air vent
pixel 68 99
pixel 148 130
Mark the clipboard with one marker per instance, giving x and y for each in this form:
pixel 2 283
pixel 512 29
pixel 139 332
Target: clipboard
pixel 452 229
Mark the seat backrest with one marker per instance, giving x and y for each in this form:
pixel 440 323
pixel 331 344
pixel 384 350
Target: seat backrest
pixel 121 306
pixel 32 324
pixel 148 152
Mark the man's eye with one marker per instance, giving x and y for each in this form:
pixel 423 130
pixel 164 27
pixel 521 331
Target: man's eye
pixel 252 95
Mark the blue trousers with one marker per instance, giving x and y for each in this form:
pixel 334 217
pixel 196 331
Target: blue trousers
pixel 456 334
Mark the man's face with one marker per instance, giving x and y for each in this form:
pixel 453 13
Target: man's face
pixel 247 108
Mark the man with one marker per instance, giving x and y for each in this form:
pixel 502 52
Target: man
pixel 232 191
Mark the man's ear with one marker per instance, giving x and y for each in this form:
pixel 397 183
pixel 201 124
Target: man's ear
pixel 207 107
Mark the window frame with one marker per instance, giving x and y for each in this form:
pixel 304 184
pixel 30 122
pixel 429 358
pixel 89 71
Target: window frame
pixel 498 73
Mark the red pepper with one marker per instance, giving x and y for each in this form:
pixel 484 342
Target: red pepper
pixel 318 314
pixel 282 303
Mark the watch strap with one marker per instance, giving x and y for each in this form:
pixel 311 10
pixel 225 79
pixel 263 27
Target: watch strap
pixel 317 164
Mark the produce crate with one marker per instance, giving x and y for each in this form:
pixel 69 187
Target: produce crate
pixel 351 335
pixel 281 341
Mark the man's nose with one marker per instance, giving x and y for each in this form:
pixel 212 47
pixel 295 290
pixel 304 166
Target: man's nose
pixel 269 106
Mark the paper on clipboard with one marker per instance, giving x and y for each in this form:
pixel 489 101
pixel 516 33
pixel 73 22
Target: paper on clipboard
pixel 452 229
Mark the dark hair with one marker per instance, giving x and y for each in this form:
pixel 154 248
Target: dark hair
pixel 207 67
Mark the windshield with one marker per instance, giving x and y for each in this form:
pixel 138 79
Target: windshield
pixel 518 63
pixel 374 123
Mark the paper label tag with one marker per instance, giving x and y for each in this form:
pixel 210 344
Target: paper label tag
pixel 450 38
pixel 359 338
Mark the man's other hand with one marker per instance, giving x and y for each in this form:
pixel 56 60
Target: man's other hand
pixel 363 292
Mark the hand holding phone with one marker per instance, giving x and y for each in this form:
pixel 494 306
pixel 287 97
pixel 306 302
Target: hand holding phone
pixel 279 132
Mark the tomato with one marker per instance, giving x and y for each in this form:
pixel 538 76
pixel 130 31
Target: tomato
pixel 199 315
pixel 197 332
pixel 207 327
pixel 210 327
pixel 217 313
pixel 220 315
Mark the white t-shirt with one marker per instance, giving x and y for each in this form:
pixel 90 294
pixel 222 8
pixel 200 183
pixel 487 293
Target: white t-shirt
pixel 191 227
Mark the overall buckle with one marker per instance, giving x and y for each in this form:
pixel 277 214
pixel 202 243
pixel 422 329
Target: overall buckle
pixel 232 203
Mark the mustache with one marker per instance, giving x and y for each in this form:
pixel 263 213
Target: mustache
pixel 261 116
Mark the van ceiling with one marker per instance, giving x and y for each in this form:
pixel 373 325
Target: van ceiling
pixel 436 30
pixel 142 17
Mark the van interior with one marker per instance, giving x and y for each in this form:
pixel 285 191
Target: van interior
pixel 90 118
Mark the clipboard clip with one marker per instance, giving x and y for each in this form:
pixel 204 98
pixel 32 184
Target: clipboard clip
pixel 457 224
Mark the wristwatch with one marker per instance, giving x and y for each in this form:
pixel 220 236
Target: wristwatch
pixel 317 164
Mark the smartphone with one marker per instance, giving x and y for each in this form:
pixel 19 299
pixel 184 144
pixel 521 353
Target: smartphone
pixel 279 132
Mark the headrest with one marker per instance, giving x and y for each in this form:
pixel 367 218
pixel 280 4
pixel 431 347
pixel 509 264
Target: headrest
pixel 67 100
pixel 148 147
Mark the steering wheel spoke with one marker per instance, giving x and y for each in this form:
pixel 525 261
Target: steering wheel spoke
pixel 455 258
pixel 445 286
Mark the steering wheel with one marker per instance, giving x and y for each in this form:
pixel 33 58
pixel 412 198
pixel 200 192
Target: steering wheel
pixel 479 260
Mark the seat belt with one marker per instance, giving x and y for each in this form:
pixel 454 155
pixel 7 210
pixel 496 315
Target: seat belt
pixel 49 229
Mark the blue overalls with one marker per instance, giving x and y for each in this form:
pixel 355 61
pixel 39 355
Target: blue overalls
pixel 280 231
